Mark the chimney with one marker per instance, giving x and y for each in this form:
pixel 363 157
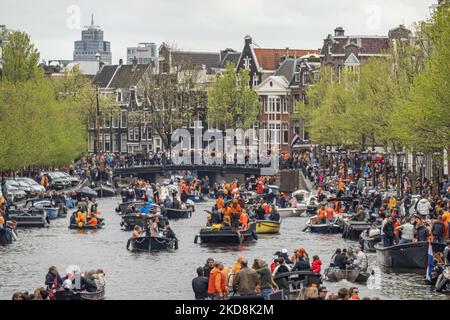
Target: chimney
pixel 135 62
pixel 248 40
pixel 339 32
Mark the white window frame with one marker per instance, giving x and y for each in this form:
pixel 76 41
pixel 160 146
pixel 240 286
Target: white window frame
pixel 115 121
pixel 136 133
pixel 122 113
pixel 130 134
pixel 123 142
pixel 284 105
pixel 285 128
pixel 107 139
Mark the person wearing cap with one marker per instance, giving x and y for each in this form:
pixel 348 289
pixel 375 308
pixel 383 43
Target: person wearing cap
pixel 284 254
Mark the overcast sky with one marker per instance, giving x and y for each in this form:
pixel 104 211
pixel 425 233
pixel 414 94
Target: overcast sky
pixel 204 25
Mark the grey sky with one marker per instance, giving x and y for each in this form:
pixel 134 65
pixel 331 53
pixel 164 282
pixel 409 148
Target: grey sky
pixel 205 25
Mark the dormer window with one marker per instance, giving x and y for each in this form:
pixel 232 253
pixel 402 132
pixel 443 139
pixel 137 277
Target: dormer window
pixel 119 96
pixel 255 80
pixel 304 78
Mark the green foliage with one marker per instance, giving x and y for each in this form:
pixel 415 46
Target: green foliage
pixel 37 126
pixel 231 102
pixel 21 58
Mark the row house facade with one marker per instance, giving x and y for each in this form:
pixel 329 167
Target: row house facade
pixel 280 78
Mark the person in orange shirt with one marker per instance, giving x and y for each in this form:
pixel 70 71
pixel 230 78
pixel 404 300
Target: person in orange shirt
pixel 219 202
pixel 236 212
pixel 244 220
pixel 216 284
pixel 321 215
pixel 226 215
pixel 446 221
pixel 329 213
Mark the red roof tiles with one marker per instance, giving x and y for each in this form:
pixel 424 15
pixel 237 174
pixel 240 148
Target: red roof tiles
pixel 269 59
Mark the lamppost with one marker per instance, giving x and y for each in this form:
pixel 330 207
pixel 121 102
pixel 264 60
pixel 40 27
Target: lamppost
pixel 373 158
pixel 420 161
pixel 365 158
pixel 400 160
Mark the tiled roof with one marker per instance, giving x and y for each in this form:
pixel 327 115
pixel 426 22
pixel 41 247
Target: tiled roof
pixel 104 76
pixel 127 76
pixel 369 45
pixel 269 59
pixel 208 59
pixel 287 69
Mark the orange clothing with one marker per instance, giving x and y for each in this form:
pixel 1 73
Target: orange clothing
pixel 321 214
pixel 446 221
pixel 92 222
pixel 2 220
pixel 81 217
pixel 329 213
pixel 220 203
pixel 215 282
pixel 235 209
pixel 244 221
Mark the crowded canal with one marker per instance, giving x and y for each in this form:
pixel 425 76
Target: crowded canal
pixel 167 275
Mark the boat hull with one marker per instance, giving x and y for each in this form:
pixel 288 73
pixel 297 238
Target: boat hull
pixel 268 227
pixel 174 214
pixel 228 236
pixel 29 221
pixel 406 256
pixel 105 191
pixel 79 295
pixel 355 275
pixel 85 227
pixel 352 229
pixel 152 244
pixel 290 212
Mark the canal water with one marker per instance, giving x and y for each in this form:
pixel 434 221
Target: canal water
pixel 167 275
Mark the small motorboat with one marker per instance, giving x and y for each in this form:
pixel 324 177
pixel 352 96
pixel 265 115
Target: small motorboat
pixel 46 205
pixel 147 243
pixel 331 226
pixel 85 227
pixel 78 295
pixel 129 221
pixel 123 207
pixel 406 256
pixel 8 234
pixel 218 234
pixel 289 212
pixel 28 216
pixel 369 238
pixel 352 229
pixel 352 275
pixel 268 227
pixel 179 213
pixel 293 282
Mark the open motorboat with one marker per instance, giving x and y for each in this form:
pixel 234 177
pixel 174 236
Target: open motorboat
pixel 353 275
pixel 331 226
pixel 268 226
pixel 218 234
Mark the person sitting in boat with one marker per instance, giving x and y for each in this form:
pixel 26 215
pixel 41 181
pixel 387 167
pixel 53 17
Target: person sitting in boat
pixel 236 212
pixel 92 221
pixel 154 228
pixel 389 234
pixel 338 260
pixel 360 214
pixel 53 280
pixel 220 202
pixel 260 213
pixel 321 215
pixel 168 202
pixel 284 203
pixel 168 231
pixel 361 259
pixel 351 257
pixel 148 204
pixel 422 232
pixel 176 204
pixel 80 219
pixel 216 217
pixel 137 232
pixel 274 216
pixel 330 212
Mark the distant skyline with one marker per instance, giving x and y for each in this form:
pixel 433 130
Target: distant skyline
pixel 201 25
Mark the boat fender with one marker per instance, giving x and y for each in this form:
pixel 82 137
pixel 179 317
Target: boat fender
pixel 176 244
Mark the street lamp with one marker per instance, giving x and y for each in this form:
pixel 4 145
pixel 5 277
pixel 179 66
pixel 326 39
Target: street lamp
pixel 401 156
pixel 420 160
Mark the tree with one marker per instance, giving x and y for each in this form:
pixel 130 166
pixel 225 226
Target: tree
pixel 231 102
pixel 21 58
pixel 174 98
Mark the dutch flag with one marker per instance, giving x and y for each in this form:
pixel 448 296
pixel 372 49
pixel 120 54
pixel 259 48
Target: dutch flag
pixel 295 139
pixel 430 261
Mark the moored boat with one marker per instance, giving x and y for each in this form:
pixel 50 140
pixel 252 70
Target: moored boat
pixel 79 295
pixel 105 191
pixel 179 213
pixel 289 212
pixel 85 227
pixel 268 227
pixel 352 275
pixel 227 235
pixel 406 256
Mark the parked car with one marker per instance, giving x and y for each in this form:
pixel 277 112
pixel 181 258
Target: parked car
pixel 57 181
pixel 74 181
pixel 13 192
pixel 34 188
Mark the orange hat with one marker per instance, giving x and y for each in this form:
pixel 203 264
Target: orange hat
pixel 235 201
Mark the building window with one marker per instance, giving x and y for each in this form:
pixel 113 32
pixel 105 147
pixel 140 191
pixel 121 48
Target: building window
pixel 115 143
pixel 119 96
pixel 285 133
pixel 136 134
pixel 297 77
pixel 100 143
pixel 107 142
pixel 149 134
pixel 255 80
pixel 285 105
pixel 123 119
pixel 305 78
pixel 264 98
pixel 91 142
pixel 115 121
pixel 123 142
pixel 130 134
pixel 107 121
pixel 278 105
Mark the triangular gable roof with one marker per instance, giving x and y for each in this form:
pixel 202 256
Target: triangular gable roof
pixel 352 60
pixel 274 83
